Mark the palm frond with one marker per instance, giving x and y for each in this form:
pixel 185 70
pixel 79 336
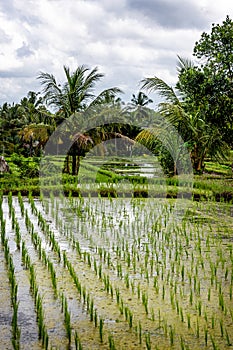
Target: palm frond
pixel 163 89
pixel 51 90
pixel 107 94
pixel 184 63
pixel 92 78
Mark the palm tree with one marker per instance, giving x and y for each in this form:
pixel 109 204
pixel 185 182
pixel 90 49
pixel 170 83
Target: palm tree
pixel 138 107
pixel 76 94
pixel 200 137
pixel 35 136
pixel 81 144
pixel 140 99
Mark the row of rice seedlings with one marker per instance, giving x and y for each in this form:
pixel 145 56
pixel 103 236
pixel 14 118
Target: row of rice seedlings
pixel 85 296
pixel 217 283
pixel 10 203
pixel 42 329
pixel 100 251
pixel 67 317
pixel 49 234
pixel 77 341
pixel 32 203
pixel 36 240
pixel 14 287
pixel 110 290
pixel 21 204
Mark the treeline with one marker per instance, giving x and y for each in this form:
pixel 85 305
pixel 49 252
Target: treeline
pixel 199 107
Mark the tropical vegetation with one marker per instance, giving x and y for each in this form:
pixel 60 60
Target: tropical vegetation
pixel 199 108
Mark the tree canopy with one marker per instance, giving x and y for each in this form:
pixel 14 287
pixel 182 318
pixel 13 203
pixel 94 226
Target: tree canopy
pixel 207 86
pixel 199 106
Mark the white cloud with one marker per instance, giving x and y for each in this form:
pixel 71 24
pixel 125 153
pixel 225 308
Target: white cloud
pixel 126 40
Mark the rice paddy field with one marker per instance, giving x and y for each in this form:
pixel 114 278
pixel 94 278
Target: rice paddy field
pixel 115 273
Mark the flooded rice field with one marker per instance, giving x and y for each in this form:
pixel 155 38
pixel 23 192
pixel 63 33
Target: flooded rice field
pixel 102 273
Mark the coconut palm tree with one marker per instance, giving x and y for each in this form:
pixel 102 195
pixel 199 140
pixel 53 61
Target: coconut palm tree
pixel 138 107
pixel 201 138
pixel 140 99
pixel 35 136
pixel 76 93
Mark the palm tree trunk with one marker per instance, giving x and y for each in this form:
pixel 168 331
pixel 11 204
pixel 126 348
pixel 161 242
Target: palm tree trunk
pixel 67 164
pixel 74 164
pixel 78 164
pixel 197 159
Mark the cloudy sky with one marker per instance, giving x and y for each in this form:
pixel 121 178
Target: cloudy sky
pixel 126 39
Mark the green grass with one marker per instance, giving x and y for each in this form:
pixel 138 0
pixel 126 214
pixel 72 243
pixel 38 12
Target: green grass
pixel 95 179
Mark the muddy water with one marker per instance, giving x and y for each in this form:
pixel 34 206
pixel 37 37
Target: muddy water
pixel 157 249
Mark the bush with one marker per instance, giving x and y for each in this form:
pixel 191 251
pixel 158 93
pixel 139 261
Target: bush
pixel 26 167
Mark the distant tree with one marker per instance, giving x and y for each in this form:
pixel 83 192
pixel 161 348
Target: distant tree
pixel 208 86
pixel 138 111
pixel 201 137
pixel 12 119
pixel 17 119
pixel 140 99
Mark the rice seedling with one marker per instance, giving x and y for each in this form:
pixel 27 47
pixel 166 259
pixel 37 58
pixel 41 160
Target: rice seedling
pixel 152 314
pixel 67 323
pixel 140 332
pixel 159 312
pixel 78 344
pixel 171 335
pixel 148 341
pixel 206 336
pixel 189 321
pixel 221 301
pixel 221 327
pixel 213 343
pixel 165 327
pixel 127 281
pixel 101 326
pixel 138 290
pixel 197 329
pixel 181 315
pixel 111 342
pixel 130 318
pixel 229 343
pixel 145 301
pixel 96 318
pixel 182 344
pixel 199 307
